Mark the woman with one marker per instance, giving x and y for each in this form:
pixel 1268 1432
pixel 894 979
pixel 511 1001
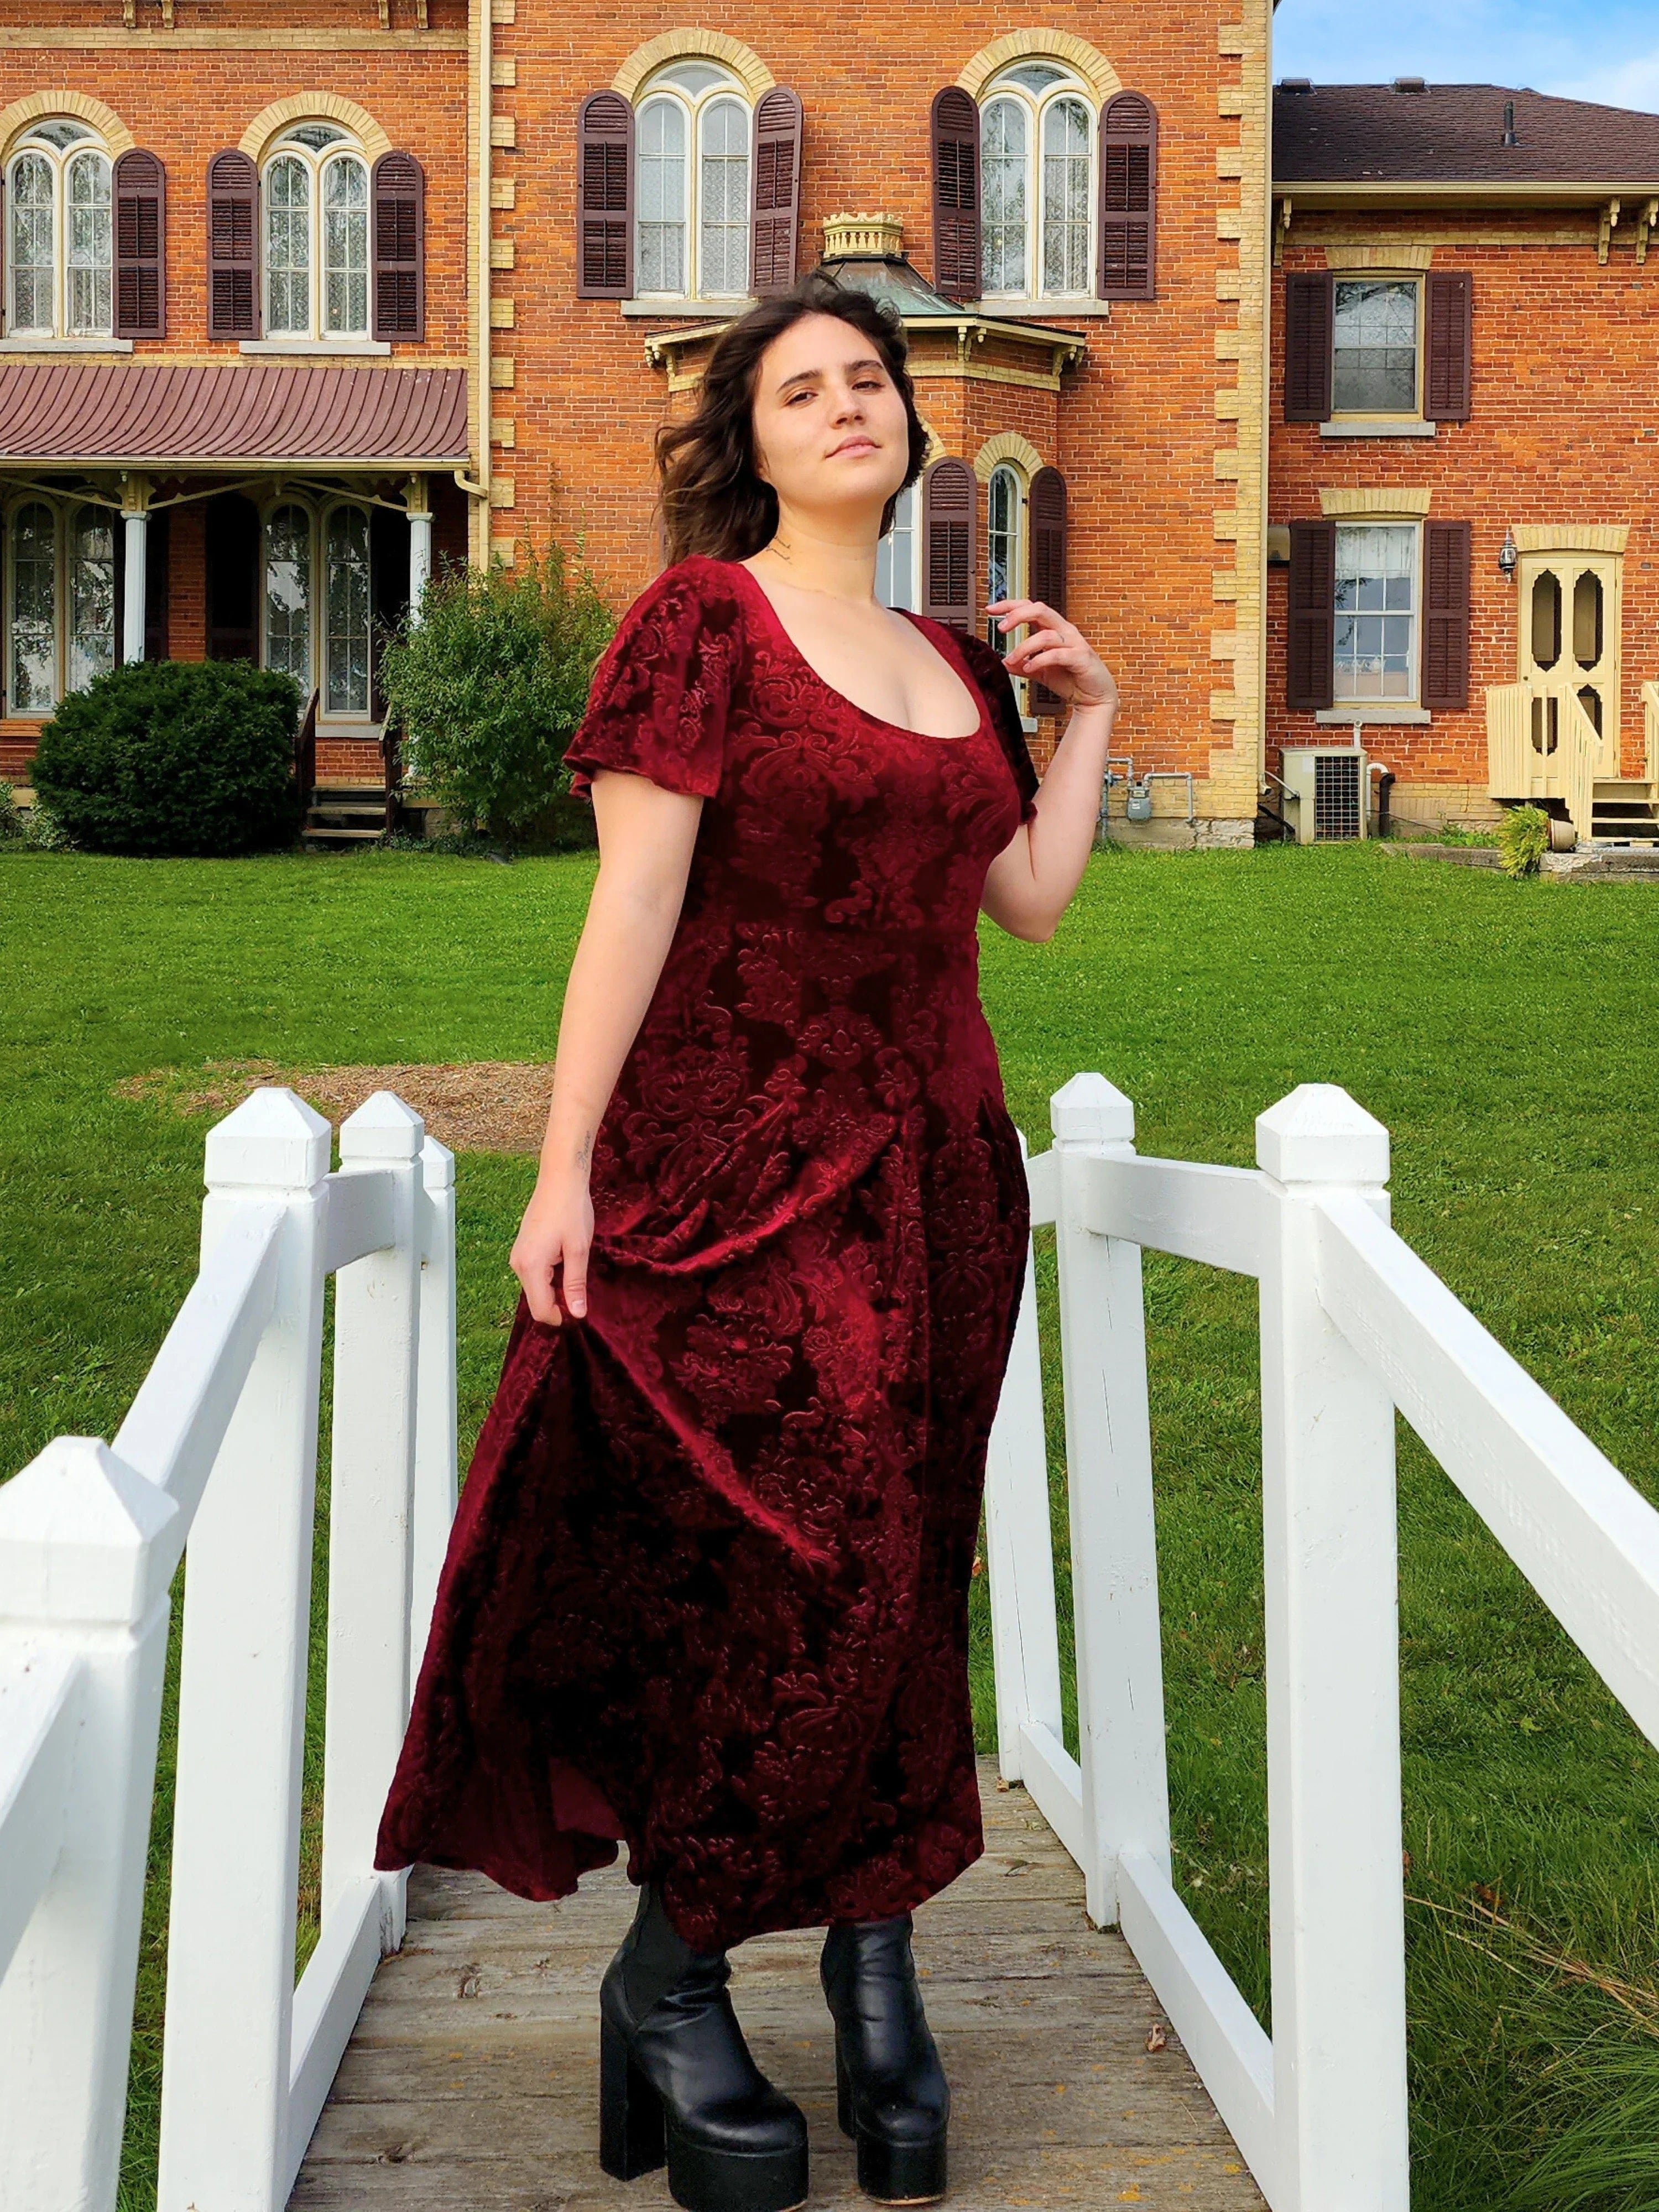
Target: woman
pixel 708 1587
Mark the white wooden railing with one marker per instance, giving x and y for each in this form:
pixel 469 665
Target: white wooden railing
pixel 1650 732
pixel 1541 744
pixel 219 1454
pixel 1352 1325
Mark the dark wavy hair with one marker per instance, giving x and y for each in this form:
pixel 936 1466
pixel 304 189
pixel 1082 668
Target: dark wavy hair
pixel 713 499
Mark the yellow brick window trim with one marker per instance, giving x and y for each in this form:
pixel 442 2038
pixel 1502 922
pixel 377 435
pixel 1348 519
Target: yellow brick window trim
pixel 301 107
pixel 1007 446
pixel 1393 258
pixel 1395 504
pixel 676 45
pixel 23 113
pixel 1570 537
pixel 1089 63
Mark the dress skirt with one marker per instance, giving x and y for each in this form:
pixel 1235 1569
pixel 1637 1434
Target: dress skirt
pixel 706 1591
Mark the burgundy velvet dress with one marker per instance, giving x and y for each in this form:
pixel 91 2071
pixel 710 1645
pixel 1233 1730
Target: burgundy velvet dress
pixel 706 1591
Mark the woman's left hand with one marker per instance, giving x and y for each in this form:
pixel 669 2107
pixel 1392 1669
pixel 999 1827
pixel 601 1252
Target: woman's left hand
pixel 1056 653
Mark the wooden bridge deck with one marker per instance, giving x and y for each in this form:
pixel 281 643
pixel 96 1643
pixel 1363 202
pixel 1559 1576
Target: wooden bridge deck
pixel 471 2083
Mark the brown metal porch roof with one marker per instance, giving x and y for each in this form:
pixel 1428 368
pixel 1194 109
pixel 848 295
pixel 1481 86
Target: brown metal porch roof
pixel 137 414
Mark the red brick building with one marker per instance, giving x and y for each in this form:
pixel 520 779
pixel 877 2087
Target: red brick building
pixel 294 299
pixel 1464 565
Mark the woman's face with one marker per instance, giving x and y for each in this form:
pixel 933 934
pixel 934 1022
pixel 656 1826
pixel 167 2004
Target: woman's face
pixel 831 434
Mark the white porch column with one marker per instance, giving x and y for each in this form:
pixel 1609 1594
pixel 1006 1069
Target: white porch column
pixel 135 514
pixel 420 542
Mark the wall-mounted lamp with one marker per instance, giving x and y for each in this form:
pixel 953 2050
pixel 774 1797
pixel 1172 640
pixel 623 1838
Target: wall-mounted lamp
pixel 1508 556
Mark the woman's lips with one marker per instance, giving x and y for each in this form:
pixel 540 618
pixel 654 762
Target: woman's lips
pixel 854 446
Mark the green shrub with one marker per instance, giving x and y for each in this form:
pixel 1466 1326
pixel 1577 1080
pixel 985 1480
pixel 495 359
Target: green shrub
pixel 1523 838
pixel 174 756
pixel 489 686
pixel 11 822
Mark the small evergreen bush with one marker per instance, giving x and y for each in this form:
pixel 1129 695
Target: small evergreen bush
pixel 11 822
pixel 488 687
pixel 1523 838
pixel 174 756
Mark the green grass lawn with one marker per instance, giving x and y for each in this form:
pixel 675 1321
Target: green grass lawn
pixel 1506 1033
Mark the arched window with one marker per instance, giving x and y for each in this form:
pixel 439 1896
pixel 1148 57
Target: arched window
pixel 1004 540
pixel 60 601
pixel 316 201
pixel 60 234
pixel 317 603
pixel 898 554
pixel 692 131
pixel 1038 129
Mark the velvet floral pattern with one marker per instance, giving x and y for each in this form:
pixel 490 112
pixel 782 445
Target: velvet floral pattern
pixel 706 1590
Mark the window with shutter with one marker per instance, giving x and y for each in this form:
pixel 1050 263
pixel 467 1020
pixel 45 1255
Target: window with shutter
pixel 1310 314
pixel 1310 643
pixel 140 187
pixel 1128 199
pixel 399 195
pixel 1048 564
pixel 776 216
pixel 1446 615
pixel 232 234
pixel 605 198
pixel 955 130
pixel 948 498
pixel 1447 364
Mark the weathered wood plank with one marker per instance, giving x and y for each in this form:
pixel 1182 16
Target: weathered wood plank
pixel 471 2083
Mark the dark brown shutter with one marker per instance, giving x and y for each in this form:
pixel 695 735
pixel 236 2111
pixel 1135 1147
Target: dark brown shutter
pixel 948 499
pixel 1446 614
pixel 399 194
pixel 774 209
pixel 954 129
pixel 140 192
pixel 605 198
pixel 1311 645
pixel 1310 317
pixel 1448 364
pixel 1048 564
pixel 1128 199
pixel 5 289
pixel 233 247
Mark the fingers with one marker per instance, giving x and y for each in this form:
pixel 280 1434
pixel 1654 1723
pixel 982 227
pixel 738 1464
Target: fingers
pixel 538 1280
pixel 576 1278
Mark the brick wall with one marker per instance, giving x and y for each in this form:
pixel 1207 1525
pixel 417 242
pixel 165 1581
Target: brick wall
pixel 1561 432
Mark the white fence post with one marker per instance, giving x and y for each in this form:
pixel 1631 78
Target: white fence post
pixel 371 1484
pixel 83 1589
pixel 1109 1458
pixel 242 1705
pixel 1332 1669
pixel 1019 1545
pixel 436 1437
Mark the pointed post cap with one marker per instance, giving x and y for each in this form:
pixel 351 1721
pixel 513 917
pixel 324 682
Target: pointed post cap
pixel 1320 1134
pixel 84 1537
pixel 437 1165
pixel 272 1141
pixel 1089 1110
pixel 382 1128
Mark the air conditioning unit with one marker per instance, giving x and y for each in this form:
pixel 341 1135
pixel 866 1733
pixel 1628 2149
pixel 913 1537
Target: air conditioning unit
pixel 1326 792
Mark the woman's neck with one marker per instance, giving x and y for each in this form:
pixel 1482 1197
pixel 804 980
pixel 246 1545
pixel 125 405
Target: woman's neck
pixel 839 563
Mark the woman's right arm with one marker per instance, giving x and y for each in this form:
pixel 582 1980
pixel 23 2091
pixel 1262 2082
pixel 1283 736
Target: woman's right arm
pixel 646 832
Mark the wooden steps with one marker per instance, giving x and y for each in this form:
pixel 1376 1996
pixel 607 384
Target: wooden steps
pixel 345 814
pixel 1622 815
pixel 471 2082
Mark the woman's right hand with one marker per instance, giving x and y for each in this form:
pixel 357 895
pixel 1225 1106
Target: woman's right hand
pixel 557 1226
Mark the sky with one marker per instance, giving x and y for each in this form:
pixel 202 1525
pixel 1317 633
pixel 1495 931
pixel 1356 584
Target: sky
pixel 1607 52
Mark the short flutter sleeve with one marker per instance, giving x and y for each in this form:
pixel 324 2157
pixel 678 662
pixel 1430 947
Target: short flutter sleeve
pixel 658 704
pixel 994 681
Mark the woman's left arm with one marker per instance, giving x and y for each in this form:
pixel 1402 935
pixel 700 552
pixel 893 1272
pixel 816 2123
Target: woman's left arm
pixel 1032 881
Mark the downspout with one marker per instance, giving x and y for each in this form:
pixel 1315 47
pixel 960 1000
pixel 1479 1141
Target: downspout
pixel 477 413
pixel 1263 429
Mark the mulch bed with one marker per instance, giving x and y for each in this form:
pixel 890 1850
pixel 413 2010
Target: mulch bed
pixel 480 1106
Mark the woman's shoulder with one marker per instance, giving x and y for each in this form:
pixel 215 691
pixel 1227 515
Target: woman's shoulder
pixel 697 584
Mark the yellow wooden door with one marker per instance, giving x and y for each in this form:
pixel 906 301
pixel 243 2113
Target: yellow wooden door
pixel 1570 620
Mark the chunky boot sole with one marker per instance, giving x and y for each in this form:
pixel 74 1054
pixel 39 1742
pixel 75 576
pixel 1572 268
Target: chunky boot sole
pixel 893 2173
pixel 637 2135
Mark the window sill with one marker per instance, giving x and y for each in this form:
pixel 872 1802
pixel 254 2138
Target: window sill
pixel 66 345
pixel 696 311
pixel 1381 715
pixel 1377 426
pixel 1041 311
pixel 352 348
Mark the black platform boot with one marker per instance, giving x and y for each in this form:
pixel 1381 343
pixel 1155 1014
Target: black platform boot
pixel 677 2079
pixel 890 2091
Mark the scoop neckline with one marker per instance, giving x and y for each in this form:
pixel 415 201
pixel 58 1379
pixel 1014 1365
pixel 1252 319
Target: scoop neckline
pixel 916 621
